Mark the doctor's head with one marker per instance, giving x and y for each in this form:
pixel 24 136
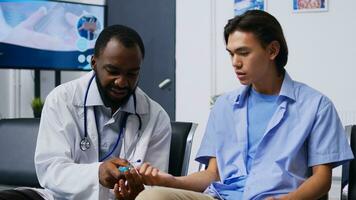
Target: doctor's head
pixel 118 54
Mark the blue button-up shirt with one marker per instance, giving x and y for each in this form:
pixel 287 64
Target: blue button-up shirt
pixel 304 131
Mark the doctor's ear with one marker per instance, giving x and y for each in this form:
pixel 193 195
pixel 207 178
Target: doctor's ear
pixel 273 49
pixel 93 63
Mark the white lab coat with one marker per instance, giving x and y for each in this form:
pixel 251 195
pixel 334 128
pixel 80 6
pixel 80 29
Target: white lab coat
pixel 67 172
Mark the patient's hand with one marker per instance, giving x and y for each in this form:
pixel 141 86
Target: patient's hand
pixel 152 176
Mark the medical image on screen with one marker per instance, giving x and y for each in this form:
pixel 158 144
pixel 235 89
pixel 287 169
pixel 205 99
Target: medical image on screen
pixel 48 34
pixel 88 26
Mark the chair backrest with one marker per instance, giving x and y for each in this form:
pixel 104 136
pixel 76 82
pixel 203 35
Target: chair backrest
pixel 349 169
pixel 17 148
pixel 181 144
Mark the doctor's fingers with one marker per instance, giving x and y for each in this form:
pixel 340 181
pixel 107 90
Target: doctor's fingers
pixel 119 162
pixel 108 174
pixel 124 190
pixel 111 170
pixel 117 192
pixel 108 181
pixel 134 181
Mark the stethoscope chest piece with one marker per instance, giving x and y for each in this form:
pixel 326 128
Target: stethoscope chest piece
pixel 84 144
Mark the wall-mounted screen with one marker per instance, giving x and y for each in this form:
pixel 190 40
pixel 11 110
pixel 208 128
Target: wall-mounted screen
pixel 42 34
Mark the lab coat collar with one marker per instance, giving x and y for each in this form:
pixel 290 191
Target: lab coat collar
pixel 94 98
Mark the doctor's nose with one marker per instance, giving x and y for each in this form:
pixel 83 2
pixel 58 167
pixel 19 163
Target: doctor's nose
pixel 121 81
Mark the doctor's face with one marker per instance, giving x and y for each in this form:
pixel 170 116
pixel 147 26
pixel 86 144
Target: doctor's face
pixel 117 70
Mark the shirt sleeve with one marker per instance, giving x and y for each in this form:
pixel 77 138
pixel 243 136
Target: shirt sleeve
pixel 207 147
pixel 55 167
pixel 327 141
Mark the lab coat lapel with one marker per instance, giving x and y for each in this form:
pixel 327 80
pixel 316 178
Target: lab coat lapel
pixel 93 131
pixel 128 150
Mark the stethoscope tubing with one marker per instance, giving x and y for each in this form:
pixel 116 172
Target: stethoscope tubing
pixel 85 144
pixel 85 107
pixel 122 128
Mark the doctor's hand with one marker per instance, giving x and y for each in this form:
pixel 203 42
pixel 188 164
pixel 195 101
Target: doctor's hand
pixel 152 176
pixel 109 175
pixel 130 186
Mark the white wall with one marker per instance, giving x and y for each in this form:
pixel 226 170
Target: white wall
pixel 322 46
pixel 322 50
pixel 193 65
pixel 12 93
pixel 5 93
pixel 17 90
pixel 26 94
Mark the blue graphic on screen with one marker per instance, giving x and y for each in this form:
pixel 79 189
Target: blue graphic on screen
pixel 48 34
pixel 242 6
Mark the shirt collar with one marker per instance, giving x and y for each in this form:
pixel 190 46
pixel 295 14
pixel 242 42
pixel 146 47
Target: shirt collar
pixel 240 96
pixel 287 90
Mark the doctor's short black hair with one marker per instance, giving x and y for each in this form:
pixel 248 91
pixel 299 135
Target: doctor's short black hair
pixel 126 35
pixel 265 28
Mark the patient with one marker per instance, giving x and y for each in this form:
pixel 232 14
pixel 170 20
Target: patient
pixel 261 139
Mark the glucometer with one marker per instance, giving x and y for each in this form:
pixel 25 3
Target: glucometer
pixel 128 167
pixel 123 169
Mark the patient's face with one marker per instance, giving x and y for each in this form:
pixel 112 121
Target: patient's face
pixel 250 60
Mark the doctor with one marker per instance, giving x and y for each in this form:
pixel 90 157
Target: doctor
pixel 95 124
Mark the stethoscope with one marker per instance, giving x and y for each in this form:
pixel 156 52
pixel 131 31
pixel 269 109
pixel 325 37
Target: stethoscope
pixel 85 142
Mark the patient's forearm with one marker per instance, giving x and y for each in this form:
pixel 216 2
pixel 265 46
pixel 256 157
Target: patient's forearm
pixel 198 181
pixel 316 186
